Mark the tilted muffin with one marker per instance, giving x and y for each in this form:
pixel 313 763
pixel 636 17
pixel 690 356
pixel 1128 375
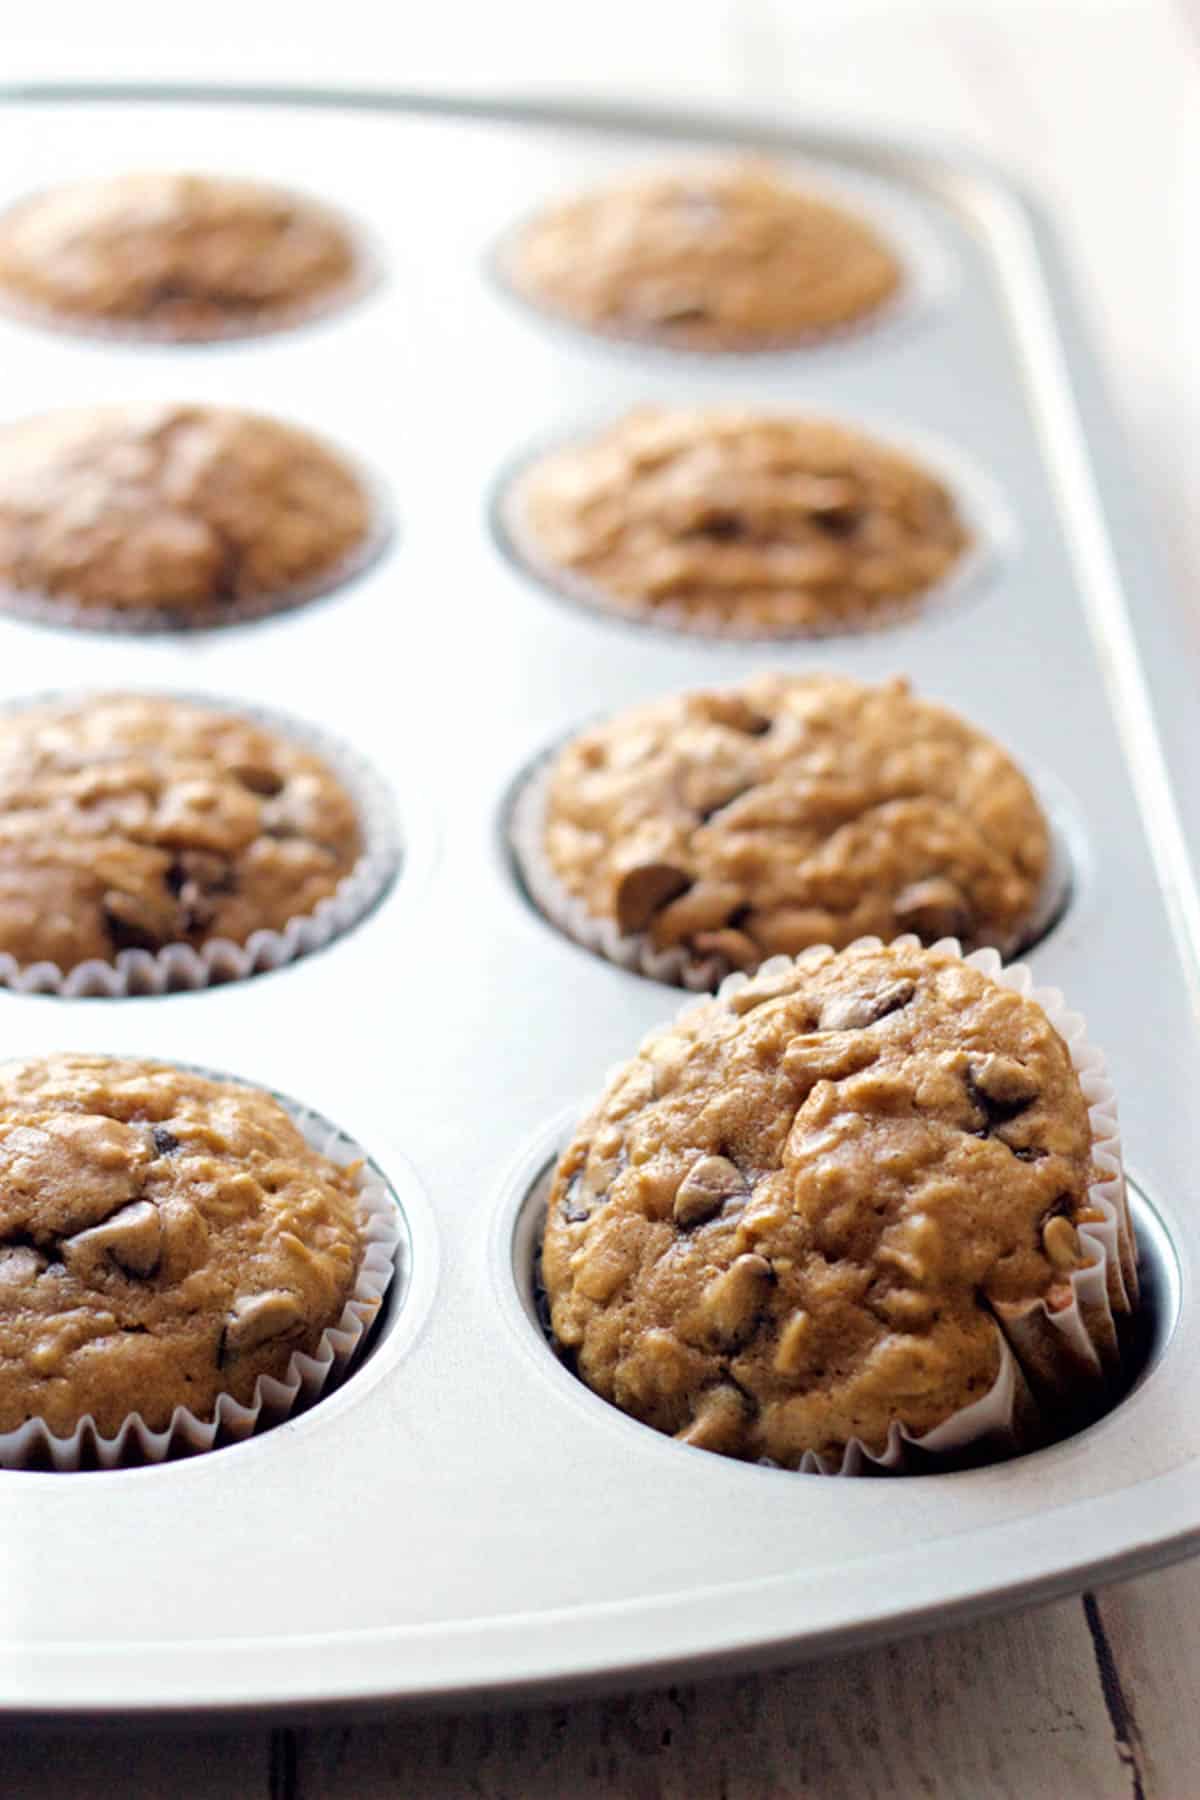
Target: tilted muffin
pixel 174 256
pixel 179 515
pixel 134 822
pixel 737 522
pixel 164 1239
pixel 734 825
pixel 814 1209
pixel 723 256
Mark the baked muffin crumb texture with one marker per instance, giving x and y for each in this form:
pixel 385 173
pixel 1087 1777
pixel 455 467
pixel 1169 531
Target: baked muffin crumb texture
pixel 719 256
pixel 738 521
pixel 194 513
pixel 164 1239
pixel 178 256
pixel 795 1217
pixel 794 811
pixel 135 822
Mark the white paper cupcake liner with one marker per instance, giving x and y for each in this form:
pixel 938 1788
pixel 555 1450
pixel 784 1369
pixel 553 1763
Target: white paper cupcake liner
pixel 990 528
pixel 62 612
pixel 176 968
pixel 365 275
pixel 1058 1367
pixel 308 1377
pixel 678 966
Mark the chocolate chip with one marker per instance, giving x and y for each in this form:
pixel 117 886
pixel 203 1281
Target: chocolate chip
pixel 934 909
pixel 853 1012
pixel 999 1087
pixel 644 890
pixel 165 1142
pixel 131 1238
pixel 258 779
pixel 839 522
pixel 721 527
pixel 705 1188
pixel 689 312
pixel 575 1211
pixel 128 926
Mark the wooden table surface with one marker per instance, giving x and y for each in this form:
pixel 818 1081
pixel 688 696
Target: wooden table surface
pixel 1098 104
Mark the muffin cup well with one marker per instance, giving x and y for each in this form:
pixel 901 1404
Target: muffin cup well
pixel 678 966
pixel 308 1377
pixel 178 968
pixel 61 611
pixel 365 275
pixel 1060 1366
pixel 926 279
pixel 990 528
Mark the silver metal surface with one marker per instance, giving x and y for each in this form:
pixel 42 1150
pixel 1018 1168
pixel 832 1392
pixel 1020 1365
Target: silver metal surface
pixel 461 1520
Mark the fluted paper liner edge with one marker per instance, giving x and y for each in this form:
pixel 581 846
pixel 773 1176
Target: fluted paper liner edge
pixel 34 1445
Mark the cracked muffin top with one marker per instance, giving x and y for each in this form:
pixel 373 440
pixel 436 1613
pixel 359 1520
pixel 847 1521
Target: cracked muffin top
pixel 194 512
pixel 796 1216
pixel 164 1239
pixel 130 822
pixel 733 520
pixel 173 255
pixel 725 256
pixel 793 811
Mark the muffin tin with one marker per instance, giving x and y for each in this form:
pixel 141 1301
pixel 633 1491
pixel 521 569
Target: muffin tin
pixel 462 1518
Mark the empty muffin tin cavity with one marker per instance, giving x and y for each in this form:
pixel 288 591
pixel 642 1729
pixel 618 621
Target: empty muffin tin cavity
pixel 518 1257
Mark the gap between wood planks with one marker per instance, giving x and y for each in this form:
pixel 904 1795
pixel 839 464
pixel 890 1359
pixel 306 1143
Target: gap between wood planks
pixel 647 1747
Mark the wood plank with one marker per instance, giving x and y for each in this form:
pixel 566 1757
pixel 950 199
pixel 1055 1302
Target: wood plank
pixel 138 1765
pixel 1153 1629
pixel 1003 1710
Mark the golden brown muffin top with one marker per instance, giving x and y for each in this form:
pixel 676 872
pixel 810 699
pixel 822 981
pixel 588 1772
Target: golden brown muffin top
pixel 792 811
pixel 164 1239
pixel 738 521
pixel 723 256
pixel 190 511
pixel 788 1221
pixel 130 822
pixel 173 255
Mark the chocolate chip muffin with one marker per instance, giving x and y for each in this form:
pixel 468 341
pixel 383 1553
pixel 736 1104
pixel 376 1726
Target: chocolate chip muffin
pixel 727 256
pixel 132 822
pixel 164 1239
pixel 172 515
pixel 174 256
pixel 814 1209
pixel 729 826
pixel 737 522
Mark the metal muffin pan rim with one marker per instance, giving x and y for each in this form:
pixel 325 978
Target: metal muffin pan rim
pixel 381 1622
pixel 991 555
